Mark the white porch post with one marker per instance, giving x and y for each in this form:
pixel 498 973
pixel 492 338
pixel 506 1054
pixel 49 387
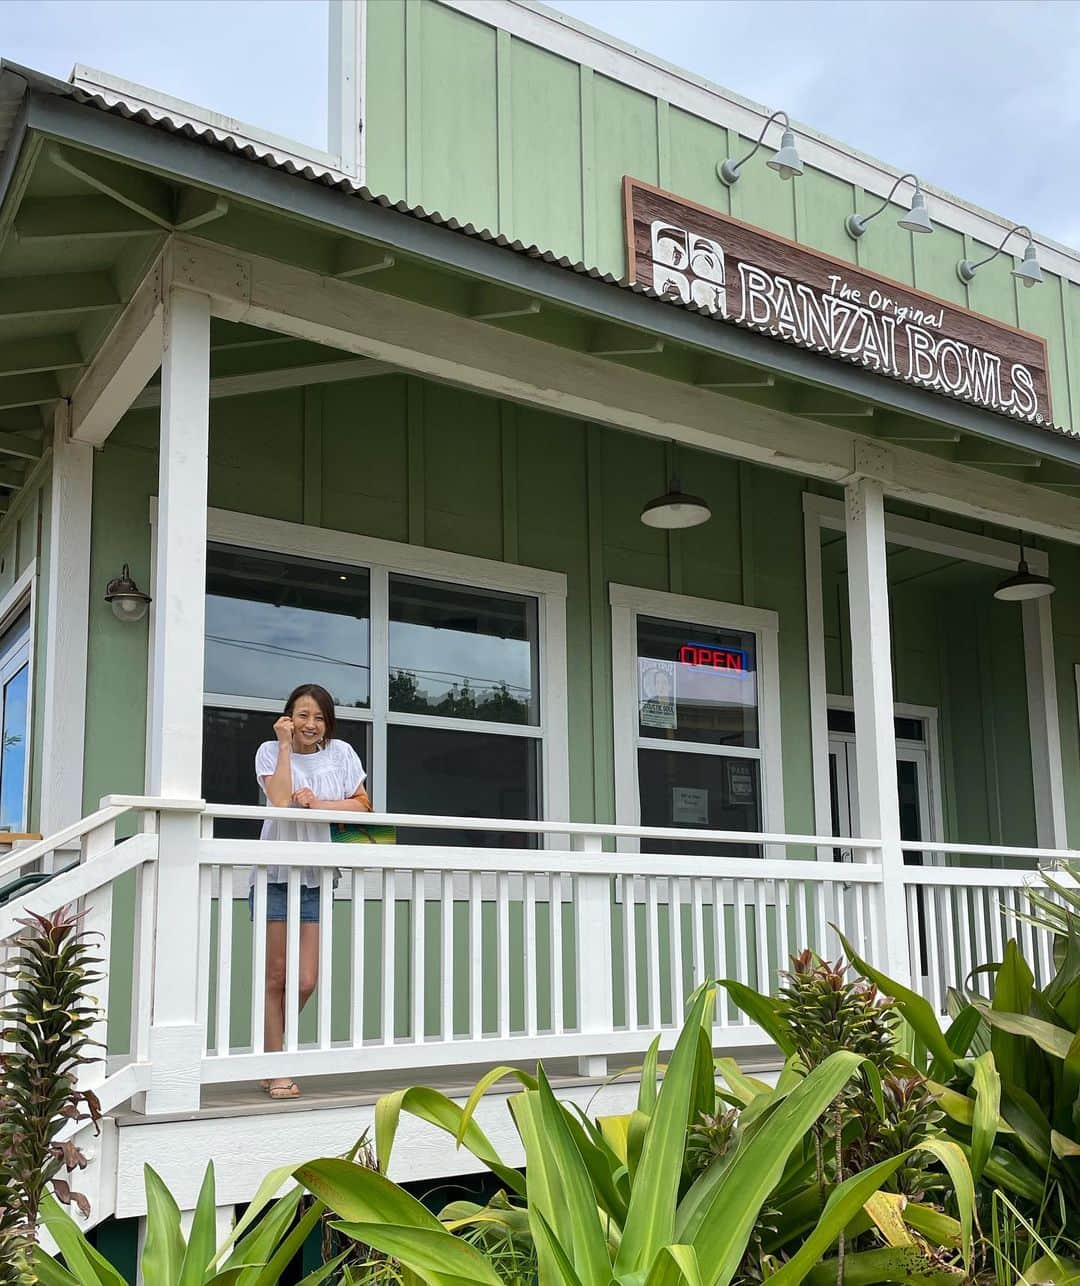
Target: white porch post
pixel 875 737
pixel 176 1034
pixel 1047 770
pixel 67 615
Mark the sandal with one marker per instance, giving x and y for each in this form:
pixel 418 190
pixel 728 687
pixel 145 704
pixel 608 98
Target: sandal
pixel 288 1089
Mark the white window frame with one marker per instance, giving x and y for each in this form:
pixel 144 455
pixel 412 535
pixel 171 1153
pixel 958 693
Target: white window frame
pixel 382 558
pixel 22 595
pixel 628 602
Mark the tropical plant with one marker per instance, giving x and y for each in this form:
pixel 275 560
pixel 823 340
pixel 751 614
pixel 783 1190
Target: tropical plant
pixel 45 1038
pixel 256 1253
pixel 626 1199
pixel 1006 1072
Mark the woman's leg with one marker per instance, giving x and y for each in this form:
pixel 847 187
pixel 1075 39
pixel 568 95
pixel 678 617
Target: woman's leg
pixel 274 1012
pixel 309 960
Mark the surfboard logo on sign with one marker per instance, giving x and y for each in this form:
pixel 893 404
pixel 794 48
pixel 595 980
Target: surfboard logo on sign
pixel 742 274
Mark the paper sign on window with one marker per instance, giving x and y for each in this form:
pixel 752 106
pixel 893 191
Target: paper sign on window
pixel 689 806
pixel 656 693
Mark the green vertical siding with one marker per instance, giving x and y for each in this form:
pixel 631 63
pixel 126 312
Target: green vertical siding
pixel 492 129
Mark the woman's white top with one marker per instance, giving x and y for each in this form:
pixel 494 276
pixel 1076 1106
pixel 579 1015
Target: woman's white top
pixel 335 772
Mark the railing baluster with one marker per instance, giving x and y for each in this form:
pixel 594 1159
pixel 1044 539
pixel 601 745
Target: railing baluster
pixel 742 972
pixel 697 927
pixel 629 909
pixel 292 961
pixel 652 948
pixel 326 956
pixel 258 963
pixel 720 963
pixel 915 939
pixel 446 952
pixel 389 953
pixel 802 930
pixel 963 905
pixel 501 976
pixel 356 961
pixel 817 896
pixel 528 937
pixel 223 1021
pixel 417 968
pixel 1043 941
pixel 948 978
pixel 996 939
pixel 781 887
pixel 761 936
pixel 207 879
pixel 143 961
pixel 675 950
pixel 930 903
pixel 476 954
pixel 978 897
pixel 558 1023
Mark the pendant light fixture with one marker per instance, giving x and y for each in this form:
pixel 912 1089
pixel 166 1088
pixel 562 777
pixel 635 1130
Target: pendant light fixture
pixel 1025 584
pixel 675 509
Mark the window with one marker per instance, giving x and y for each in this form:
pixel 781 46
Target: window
pixel 14 721
pixel 437 682
pixel 697 718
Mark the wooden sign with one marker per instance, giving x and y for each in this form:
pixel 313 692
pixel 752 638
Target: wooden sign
pixel 740 273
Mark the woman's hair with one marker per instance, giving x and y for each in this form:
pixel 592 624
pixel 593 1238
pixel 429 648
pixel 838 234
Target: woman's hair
pixel 322 699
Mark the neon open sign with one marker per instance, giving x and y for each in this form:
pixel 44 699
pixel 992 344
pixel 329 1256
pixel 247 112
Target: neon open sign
pixel 715 658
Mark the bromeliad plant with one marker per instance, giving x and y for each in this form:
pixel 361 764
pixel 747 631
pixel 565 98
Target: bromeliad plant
pixel 45 1031
pixel 672 1192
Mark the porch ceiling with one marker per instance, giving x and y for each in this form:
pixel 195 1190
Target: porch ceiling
pixel 87 201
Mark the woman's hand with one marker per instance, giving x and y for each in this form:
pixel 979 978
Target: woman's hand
pixel 283 730
pixel 305 799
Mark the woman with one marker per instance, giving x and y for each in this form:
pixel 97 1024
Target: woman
pixel 303 768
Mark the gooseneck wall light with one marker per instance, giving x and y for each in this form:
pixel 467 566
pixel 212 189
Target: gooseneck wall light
pixel 786 162
pixel 1028 272
pixel 917 218
pixel 1025 584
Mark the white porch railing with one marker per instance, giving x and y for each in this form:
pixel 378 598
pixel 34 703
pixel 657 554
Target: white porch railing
pixel 434 956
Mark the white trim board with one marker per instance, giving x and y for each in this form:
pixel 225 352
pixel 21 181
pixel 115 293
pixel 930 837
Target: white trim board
pixel 627 603
pixel 821 512
pixel 603 53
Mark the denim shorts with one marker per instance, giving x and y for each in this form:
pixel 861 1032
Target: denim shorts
pixel 277 903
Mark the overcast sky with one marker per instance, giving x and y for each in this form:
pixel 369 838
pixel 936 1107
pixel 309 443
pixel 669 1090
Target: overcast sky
pixel 981 97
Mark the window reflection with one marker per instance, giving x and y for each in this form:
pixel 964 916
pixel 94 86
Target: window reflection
pixel 692 791
pixel 270 619
pixel 13 753
pixel 462 653
pixel 697 683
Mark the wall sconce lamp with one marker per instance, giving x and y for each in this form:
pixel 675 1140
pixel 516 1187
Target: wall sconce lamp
pixel 917 218
pixel 1025 584
pixel 126 599
pixel 1029 271
pixel 787 162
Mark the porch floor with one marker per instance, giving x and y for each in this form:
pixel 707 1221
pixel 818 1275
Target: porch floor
pixel 364 1089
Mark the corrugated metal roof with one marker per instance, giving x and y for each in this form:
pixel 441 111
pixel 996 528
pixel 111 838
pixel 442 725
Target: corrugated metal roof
pixel 264 152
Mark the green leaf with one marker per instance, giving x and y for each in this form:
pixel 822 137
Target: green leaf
pixel 1053 1271
pixel 955 1161
pixel 435 1255
pixel 202 1239
pixel 651 1213
pixel 436 1109
pixel 906 1264
pixel 1013 986
pixel 90 1267
pixel 675 1266
pixel 360 1195
pixel 257 1246
pixel 917 1010
pixel 287 1248
pixel 718 1222
pixel 575 1220
pixel 961 1031
pixel 766 1011
pixel 647 1089
pixel 934 1225
pixel 745 1088
pixel 1054 1040
pixel 49 1273
pixel 479 1090
pixel 324 1273
pixel 559 1268
pixel 987 1086
pixel 163 1253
